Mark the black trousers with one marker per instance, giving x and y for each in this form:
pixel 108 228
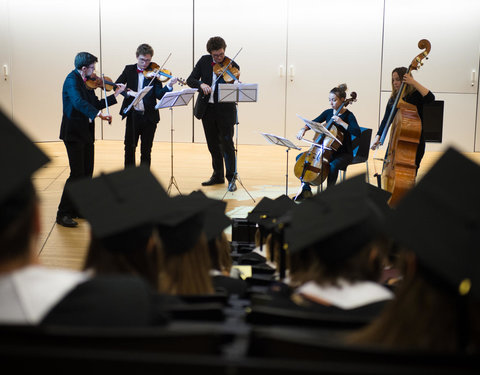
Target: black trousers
pixel 219 135
pixel 339 162
pixel 80 159
pixel 139 127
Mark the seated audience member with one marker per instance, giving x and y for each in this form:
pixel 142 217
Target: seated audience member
pixel 184 256
pixel 265 215
pixel 34 294
pixel 219 248
pixel 335 243
pixel 437 304
pixel 123 238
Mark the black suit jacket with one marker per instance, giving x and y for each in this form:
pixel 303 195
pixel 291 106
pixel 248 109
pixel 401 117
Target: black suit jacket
pixel 80 105
pixel 202 73
pixel 129 76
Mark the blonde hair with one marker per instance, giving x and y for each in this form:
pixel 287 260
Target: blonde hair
pixel 187 272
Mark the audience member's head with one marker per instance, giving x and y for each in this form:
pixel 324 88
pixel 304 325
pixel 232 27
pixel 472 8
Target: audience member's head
pixel 123 236
pixel 436 226
pixel 19 211
pixel 184 260
pixel 214 227
pixel 338 235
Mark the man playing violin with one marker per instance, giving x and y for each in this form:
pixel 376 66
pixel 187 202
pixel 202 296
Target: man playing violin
pixel 217 118
pixel 143 118
pixel 80 108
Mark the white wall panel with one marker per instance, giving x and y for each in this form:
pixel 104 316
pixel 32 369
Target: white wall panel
pixel 167 26
pixel 45 37
pixel 329 45
pixel 453 30
pixel 259 27
pixel 5 79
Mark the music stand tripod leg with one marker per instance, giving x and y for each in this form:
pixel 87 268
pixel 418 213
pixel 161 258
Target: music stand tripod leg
pixel 172 178
pixel 235 174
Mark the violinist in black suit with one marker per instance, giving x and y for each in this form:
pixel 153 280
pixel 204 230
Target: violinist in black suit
pixel 80 108
pixel 142 119
pixel 217 118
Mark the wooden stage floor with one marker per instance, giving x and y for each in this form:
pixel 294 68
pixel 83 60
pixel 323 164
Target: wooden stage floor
pixel 262 172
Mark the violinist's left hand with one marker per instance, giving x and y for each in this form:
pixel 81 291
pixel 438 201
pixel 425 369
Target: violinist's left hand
pixel 172 82
pixel 120 88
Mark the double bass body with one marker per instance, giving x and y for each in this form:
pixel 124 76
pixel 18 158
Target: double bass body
pixel 400 170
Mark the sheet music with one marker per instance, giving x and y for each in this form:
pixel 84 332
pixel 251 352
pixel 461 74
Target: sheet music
pixel 237 92
pixel 137 99
pixel 176 98
pixel 319 128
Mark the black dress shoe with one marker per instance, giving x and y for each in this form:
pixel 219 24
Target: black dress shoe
pixel 66 221
pixel 213 181
pixel 232 186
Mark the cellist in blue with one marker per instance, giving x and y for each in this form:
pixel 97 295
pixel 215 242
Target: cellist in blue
pixel 347 124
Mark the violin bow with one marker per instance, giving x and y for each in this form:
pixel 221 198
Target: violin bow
pixel 105 95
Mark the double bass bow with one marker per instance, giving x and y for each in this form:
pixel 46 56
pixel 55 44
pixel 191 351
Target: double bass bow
pixel 399 168
pixel 313 166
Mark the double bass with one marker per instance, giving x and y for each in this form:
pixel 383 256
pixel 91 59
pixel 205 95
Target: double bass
pixel 313 165
pixel 399 168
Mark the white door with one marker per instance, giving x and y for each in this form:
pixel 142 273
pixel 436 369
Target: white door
pixel 167 27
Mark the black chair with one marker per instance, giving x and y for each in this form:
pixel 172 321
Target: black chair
pixel 324 346
pixel 260 314
pixel 361 150
pixel 185 346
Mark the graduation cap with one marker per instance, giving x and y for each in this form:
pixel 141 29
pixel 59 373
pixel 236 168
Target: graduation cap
pixel 20 158
pixel 215 219
pixel 439 219
pixel 260 211
pixel 339 221
pixel 279 212
pixel 119 205
pixel 181 221
pixel 19 155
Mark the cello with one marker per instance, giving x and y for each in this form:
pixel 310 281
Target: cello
pixel 313 165
pixel 399 168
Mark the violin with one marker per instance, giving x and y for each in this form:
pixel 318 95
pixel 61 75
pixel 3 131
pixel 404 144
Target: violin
pixel 94 82
pixel 313 165
pixel 163 75
pixel 225 68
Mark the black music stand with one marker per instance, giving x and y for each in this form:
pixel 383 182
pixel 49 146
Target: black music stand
pixel 276 140
pixel 169 100
pixel 235 93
